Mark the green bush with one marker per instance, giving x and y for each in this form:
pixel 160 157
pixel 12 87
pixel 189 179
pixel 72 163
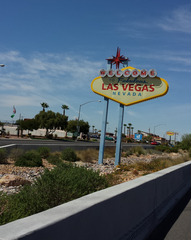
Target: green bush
pixel 138 150
pixel 129 140
pixel 186 142
pixel 60 185
pixel 154 166
pixel 69 155
pixel 3 155
pixel 29 159
pixel 16 153
pixel 43 151
pixel 189 152
pixel 54 159
pixel 166 149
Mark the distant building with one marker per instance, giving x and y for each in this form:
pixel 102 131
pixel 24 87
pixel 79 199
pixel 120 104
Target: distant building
pixel 155 137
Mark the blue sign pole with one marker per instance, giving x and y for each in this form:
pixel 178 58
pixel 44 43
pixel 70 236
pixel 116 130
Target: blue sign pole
pixel 119 133
pixel 103 131
pixel 104 123
pixel 120 126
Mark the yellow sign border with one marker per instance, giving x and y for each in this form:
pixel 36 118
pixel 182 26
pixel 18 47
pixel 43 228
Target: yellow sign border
pixel 169 133
pixel 135 102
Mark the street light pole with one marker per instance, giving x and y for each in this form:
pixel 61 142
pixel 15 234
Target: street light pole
pixel 157 126
pixel 79 114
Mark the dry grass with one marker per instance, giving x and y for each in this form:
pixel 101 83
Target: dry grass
pixel 91 155
pixel 174 161
pixel 124 172
pixel 87 155
pixel 109 152
pixel 153 166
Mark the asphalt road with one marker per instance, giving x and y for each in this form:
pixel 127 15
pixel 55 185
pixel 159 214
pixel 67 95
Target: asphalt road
pixel 4 142
pixel 177 224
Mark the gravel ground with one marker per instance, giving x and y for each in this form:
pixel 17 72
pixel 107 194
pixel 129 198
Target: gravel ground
pixel 107 167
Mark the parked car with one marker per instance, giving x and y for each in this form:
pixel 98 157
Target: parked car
pixel 155 143
pixel 109 138
pixel 95 136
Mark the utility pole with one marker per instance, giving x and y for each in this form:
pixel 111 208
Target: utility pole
pixel 176 133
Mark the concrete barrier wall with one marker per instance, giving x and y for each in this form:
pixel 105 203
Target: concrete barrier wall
pixel 127 211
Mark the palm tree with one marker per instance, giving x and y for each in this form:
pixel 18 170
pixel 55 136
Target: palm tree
pixel 127 130
pixel 124 127
pixel 44 105
pixel 130 124
pixel 93 128
pixel 64 107
pixel 116 132
pixel 106 127
pixel 132 129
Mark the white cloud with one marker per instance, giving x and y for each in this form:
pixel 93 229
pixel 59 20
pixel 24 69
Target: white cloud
pixel 180 70
pixel 179 20
pixel 45 76
pixel 100 112
pixel 9 100
pixel 134 114
pixel 182 58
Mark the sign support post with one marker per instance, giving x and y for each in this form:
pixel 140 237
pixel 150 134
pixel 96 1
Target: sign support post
pixel 103 131
pixel 104 123
pixel 126 86
pixel 119 133
pixel 120 126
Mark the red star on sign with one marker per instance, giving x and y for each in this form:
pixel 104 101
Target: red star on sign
pixel 118 59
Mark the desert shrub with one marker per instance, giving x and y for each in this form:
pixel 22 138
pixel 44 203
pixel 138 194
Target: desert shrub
pixel 43 151
pixel 161 148
pixel 16 153
pixel 129 140
pixel 129 152
pixel 186 142
pixel 60 185
pixel 92 154
pixel 138 150
pixel 3 155
pixel 153 166
pixel 175 149
pixel 135 172
pixel 122 168
pixel 189 152
pixel 87 155
pixel 54 159
pixel 29 159
pixel 109 152
pixel 167 149
pixel 69 155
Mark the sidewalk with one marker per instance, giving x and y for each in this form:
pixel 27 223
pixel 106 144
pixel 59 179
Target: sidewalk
pixel 177 224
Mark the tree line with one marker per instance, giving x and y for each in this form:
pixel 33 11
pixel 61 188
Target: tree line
pixel 52 121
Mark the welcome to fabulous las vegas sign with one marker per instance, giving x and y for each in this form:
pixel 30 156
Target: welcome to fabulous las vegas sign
pixel 129 85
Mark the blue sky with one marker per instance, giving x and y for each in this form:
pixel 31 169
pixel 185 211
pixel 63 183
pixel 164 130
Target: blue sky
pixel 52 50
